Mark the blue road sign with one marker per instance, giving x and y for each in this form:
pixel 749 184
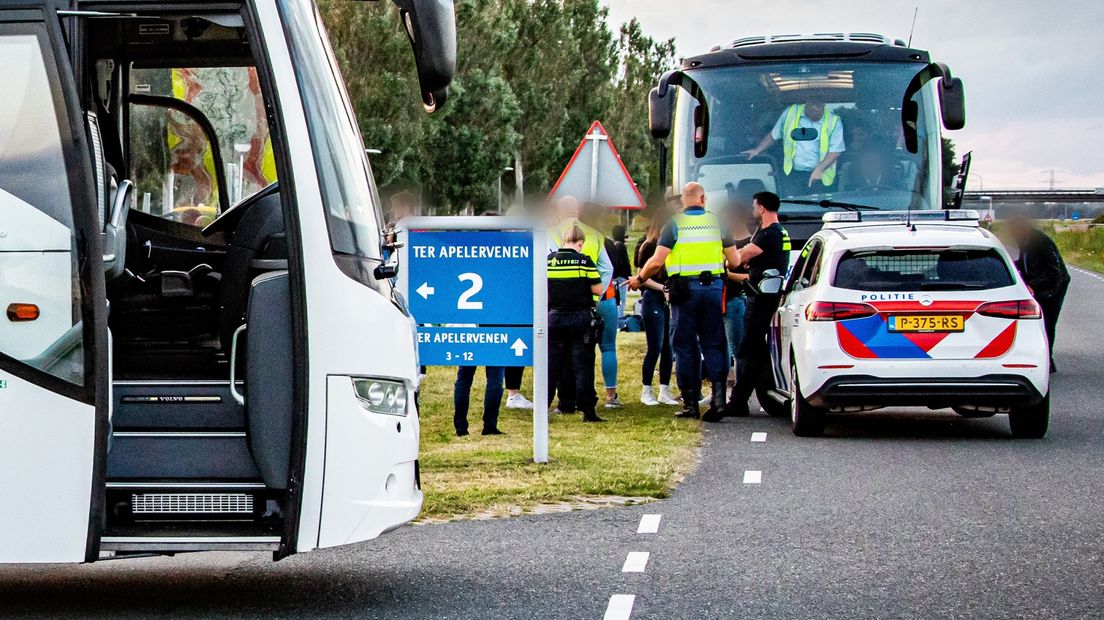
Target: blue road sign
pixel 477 288
pixel 475 346
pixel 470 277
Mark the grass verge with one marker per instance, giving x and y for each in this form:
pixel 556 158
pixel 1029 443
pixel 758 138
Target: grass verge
pixel 1081 247
pixel 638 452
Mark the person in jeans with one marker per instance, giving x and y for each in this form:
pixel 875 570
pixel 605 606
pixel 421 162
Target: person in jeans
pixel 573 281
pixel 492 399
pixel 736 289
pixel 607 309
pixel 657 319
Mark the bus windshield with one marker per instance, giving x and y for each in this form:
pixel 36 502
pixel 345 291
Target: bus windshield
pixel 809 131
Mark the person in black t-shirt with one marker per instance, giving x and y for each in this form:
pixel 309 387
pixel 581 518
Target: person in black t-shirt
pixel 573 281
pixel 769 249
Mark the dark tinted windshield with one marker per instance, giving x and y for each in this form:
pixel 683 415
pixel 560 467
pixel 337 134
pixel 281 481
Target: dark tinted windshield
pixel 922 270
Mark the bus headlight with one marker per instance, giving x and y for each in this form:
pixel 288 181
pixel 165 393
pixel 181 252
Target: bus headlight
pixel 381 395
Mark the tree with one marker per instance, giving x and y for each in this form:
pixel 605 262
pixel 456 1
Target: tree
pixel 641 60
pixel 531 77
pixel 471 142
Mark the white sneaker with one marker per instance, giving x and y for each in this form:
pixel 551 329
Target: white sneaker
pixel 705 400
pixel 647 397
pixel 666 397
pixel 517 401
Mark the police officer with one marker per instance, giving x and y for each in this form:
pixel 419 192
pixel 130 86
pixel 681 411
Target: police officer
pixel 693 248
pixel 573 281
pixel 769 249
pixel 567 212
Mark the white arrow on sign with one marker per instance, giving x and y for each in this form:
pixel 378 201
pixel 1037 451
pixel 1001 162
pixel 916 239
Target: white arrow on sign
pixel 425 290
pixel 518 347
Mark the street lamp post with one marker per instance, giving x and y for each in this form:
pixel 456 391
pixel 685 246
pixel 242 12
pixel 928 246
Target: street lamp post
pixel 499 179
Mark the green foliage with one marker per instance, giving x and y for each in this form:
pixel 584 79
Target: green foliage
pixel 950 168
pixel 531 77
pixel 1081 245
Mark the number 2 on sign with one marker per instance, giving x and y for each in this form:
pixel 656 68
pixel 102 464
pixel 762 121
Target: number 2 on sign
pixel 465 302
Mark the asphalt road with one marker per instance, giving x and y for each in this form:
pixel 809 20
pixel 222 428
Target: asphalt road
pixel 909 514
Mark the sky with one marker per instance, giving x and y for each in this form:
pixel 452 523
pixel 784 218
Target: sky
pixel 1033 69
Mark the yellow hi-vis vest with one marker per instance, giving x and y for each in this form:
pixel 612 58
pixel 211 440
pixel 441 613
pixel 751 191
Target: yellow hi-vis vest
pixel 593 241
pixel 828 124
pixel 698 246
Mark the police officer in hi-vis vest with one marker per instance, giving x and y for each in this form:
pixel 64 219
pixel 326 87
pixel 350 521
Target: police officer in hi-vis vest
pixel 807 165
pixel 769 249
pixel 693 247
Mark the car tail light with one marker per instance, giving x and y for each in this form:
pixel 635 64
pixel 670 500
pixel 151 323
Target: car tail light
pixel 1021 309
pixel 837 311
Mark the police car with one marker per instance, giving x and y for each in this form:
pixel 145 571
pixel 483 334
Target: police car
pixel 895 309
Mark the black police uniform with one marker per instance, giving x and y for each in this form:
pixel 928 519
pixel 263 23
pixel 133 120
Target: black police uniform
pixel 572 327
pixel 753 361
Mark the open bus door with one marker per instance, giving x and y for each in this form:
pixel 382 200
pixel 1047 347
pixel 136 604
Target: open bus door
pixel 53 334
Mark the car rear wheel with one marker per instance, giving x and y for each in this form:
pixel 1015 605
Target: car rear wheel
pixel 806 420
pixel 1030 422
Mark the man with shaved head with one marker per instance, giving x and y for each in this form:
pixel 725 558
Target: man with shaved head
pixel 693 247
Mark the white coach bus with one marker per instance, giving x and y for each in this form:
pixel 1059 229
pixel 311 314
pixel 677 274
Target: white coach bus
pixel 194 293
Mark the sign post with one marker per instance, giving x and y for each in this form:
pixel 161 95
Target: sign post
pixel 596 173
pixel 478 290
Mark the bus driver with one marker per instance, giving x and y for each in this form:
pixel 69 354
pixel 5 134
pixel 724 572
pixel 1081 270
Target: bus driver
pixel 805 162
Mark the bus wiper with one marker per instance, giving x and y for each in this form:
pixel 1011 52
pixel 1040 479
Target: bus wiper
pixel 828 204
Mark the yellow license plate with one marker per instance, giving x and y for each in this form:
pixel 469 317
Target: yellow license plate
pixel 926 323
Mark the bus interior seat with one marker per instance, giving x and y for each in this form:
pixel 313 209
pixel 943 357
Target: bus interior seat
pixel 746 189
pixel 257 245
pixel 269 377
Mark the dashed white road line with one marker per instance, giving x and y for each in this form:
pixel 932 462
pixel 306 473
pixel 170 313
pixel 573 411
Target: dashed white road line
pixel 758 437
pixel 620 607
pixel 1089 273
pixel 753 476
pixel 635 562
pixel 649 524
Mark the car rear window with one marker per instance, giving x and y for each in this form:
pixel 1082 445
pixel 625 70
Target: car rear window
pixel 921 270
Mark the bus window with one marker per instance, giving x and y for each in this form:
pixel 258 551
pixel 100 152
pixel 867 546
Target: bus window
pixel 39 289
pixel 344 174
pixel 231 100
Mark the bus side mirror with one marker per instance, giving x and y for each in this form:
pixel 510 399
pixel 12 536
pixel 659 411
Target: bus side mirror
pixel 660 113
pixel 952 102
pixel 385 271
pixel 771 283
pixel 431 27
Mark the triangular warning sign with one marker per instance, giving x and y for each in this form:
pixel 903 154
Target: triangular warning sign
pixel 596 174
